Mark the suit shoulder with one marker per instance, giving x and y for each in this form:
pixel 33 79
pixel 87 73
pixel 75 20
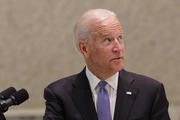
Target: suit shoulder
pixel 62 83
pixel 144 80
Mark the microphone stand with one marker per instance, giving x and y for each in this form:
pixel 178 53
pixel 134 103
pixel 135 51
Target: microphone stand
pixel 2 117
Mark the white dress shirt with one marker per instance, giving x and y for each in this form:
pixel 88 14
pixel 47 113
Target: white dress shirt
pixel 111 87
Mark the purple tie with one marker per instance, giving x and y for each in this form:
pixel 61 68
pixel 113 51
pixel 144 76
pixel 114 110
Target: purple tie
pixel 103 104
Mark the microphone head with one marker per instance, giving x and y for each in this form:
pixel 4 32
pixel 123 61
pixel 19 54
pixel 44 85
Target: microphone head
pixel 20 96
pixel 7 93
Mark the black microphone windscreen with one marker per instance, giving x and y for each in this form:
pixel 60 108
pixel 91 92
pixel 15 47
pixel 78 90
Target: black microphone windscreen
pixel 6 93
pixel 20 96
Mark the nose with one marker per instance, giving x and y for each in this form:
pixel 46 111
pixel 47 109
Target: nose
pixel 117 46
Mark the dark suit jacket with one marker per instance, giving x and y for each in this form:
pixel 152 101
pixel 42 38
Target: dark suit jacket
pixel 71 99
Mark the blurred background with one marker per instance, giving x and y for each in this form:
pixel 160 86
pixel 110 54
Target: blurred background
pixel 37 48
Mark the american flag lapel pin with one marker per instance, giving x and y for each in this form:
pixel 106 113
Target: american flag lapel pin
pixel 129 93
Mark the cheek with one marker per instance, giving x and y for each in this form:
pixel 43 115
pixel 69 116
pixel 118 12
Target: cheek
pixel 98 54
pixel 104 55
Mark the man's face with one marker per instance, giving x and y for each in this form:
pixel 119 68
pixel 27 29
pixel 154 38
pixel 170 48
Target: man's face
pixel 106 47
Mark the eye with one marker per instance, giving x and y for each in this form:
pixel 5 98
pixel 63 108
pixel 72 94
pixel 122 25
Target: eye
pixel 107 40
pixel 120 37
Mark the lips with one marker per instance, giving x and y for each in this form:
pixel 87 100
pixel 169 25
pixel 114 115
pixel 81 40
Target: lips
pixel 117 58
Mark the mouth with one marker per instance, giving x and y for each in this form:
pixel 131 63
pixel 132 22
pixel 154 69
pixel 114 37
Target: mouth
pixel 117 58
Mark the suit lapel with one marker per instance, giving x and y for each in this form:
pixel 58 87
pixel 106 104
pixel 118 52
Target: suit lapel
pixel 82 97
pixel 126 95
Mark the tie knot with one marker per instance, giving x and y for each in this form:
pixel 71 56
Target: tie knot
pixel 102 84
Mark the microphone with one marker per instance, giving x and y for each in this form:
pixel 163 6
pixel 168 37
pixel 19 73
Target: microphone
pixel 14 99
pixel 6 93
pixel 2 117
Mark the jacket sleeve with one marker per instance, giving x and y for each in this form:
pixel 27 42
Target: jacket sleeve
pixel 54 107
pixel 160 105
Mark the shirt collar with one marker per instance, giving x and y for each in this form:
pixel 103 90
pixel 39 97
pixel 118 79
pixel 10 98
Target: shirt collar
pixel 93 80
pixel 113 81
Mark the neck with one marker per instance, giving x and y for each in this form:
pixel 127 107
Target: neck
pixel 101 74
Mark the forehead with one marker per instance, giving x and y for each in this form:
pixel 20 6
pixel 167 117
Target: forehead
pixel 107 27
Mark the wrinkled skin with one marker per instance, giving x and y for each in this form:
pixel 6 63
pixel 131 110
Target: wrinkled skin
pixel 104 52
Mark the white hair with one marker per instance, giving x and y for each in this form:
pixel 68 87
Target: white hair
pixel 81 29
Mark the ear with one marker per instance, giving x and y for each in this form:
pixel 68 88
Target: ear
pixel 83 47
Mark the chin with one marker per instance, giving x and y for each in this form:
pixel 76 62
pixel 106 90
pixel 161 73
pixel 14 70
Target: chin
pixel 118 68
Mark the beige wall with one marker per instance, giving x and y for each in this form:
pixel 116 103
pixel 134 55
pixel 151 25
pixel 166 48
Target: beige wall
pixel 36 42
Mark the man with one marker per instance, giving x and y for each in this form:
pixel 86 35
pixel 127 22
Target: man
pixel 104 90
